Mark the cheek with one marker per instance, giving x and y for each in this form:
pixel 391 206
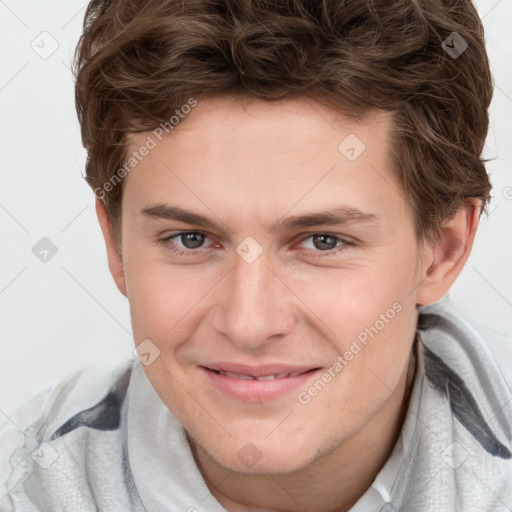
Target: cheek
pixel 369 317
pixel 343 302
pixel 162 299
pixel 165 301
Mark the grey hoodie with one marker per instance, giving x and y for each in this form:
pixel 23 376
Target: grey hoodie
pixel 84 444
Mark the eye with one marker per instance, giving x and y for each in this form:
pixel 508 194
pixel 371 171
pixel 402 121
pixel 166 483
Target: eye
pixel 189 243
pixel 189 240
pixel 325 243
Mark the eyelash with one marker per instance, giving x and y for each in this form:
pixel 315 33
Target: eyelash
pixel 166 242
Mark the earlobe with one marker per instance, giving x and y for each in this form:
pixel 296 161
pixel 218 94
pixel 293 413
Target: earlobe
pixel 446 258
pixel 115 261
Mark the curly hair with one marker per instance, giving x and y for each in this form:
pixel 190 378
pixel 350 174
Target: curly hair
pixel 139 61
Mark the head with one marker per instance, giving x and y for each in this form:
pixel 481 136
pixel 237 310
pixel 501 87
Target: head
pixel 282 184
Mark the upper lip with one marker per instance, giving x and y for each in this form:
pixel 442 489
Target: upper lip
pixel 258 371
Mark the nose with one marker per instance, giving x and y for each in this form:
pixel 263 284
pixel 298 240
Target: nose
pixel 255 307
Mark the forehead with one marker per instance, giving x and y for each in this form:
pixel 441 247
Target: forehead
pixel 266 155
pixel 302 125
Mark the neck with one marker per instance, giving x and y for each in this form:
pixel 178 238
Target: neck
pixel 332 483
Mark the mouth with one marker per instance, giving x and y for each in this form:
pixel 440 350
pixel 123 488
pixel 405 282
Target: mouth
pixel 260 378
pixel 257 384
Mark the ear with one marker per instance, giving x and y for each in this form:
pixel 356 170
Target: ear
pixel 115 261
pixel 444 260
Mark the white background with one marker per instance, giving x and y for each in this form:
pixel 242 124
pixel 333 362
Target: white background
pixel 58 316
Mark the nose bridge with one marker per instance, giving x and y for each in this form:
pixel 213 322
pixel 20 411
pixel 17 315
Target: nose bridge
pixel 255 306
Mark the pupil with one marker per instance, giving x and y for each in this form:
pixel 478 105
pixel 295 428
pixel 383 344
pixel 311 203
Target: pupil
pixel 324 241
pixel 192 240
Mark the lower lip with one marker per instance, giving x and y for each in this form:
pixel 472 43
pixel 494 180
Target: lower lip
pixel 257 390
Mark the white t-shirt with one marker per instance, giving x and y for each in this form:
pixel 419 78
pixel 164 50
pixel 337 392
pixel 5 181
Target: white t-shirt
pixel 103 440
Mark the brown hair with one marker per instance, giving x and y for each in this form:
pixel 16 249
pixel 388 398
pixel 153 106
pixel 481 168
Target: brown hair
pixel 138 61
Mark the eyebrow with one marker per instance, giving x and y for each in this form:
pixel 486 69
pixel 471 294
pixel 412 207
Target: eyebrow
pixel 336 216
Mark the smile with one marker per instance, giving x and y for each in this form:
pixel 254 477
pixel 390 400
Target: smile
pixel 264 386
pixel 263 377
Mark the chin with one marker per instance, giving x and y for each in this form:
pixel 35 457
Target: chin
pixel 275 464
pixel 262 457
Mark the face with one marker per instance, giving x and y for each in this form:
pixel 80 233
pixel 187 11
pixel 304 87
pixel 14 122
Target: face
pixel 270 262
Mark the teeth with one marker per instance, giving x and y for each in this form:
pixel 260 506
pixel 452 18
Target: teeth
pixel 236 376
pixel 266 377
pixel 263 377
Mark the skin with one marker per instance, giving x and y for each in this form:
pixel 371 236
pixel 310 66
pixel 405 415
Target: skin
pixel 246 164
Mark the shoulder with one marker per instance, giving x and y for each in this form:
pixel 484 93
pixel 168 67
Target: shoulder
pixel 58 425
pixel 465 349
pixel 460 364
pixel 460 420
